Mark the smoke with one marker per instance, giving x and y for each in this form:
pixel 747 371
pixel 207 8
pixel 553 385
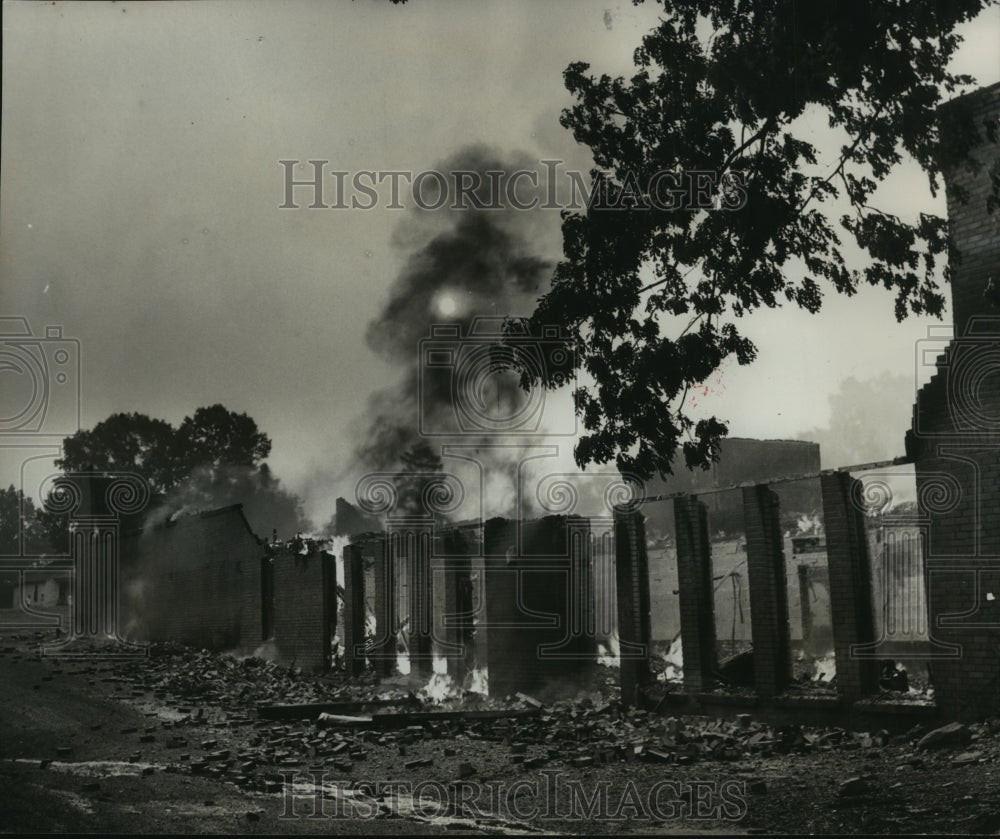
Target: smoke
pixel 460 264
pixel 266 504
pixel 868 420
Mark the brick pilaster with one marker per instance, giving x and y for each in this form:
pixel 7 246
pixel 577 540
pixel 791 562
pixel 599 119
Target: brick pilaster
pixel 850 586
pixel 632 575
pixel 768 591
pixel 354 610
pixel 694 583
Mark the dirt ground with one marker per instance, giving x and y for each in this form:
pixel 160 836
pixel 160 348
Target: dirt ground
pixel 173 744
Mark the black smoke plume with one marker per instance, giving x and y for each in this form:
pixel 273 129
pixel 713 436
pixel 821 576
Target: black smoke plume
pixel 460 264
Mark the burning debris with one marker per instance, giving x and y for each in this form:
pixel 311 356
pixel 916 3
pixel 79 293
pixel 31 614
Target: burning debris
pixel 673 662
pixel 403 663
pixel 897 684
pixel 307 544
pixel 608 652
pixel 440 687
pixel 336 726
pixel 810 525
pixel 479 681
pixel 825 668
pixel 894 677
pixel 206 718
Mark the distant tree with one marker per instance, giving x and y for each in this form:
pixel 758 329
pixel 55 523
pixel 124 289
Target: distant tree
pixel 266 504
pixel 27 529
pixel 866 416
pixel 21 531
pixel 11 501
pixel 710 200
pixel 127 443
pixel 53 530
pixel 213 459
pixel 215 436
pixel 420 462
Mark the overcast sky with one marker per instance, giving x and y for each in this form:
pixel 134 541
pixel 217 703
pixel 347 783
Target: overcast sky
pixel 141 190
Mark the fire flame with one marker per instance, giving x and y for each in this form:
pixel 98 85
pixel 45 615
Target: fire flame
pixel 608 655
pixel 479 681
pixel 673 660
pixel 809 525
pixel 440 686
pixel 403 664
pixel 824 668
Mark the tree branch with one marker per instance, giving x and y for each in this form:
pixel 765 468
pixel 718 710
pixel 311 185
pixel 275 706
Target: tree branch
pixel 769 123
pixel 847 155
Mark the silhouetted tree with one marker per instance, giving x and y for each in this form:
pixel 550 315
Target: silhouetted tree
pixel 213 459
pixel 21 530
pixel 710 202
pixel 127 443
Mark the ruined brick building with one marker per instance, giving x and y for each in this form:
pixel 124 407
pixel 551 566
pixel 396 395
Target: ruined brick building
pixel 526 600
pixel 955 438
pixel 208 580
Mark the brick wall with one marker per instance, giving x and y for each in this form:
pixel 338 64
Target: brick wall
pixel 538 618
pixel 411 544
pixel 632 578
pixel 383 599
pixel 850 587
pixel 452 614
pixel 976 233
pixel 354 610
pixel 695 590
pixel 768 591
pixel 305 587
pixel 200 580
pixel 955 440
pixel 196 580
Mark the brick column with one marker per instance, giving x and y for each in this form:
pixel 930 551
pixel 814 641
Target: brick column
pixel 411 537
pixel 768 591
pixel 383 654
pixel 581 640
pixel 511 642
pixel 354 610
pixel 569 541
pixel 805 607
pixel 537 636
pixel 632 575
pixel 694 583
pixel 329 604
pixel 975 232
pixel 955 438
pixel 850 586
pixel 452 625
